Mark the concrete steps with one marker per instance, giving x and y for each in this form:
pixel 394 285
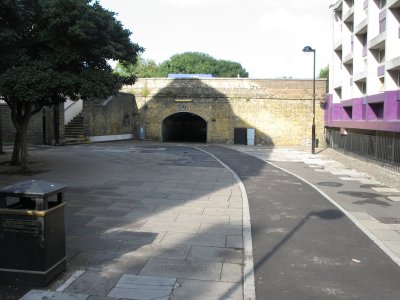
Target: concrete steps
pixel 74 131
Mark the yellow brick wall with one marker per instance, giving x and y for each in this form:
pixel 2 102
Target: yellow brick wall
pixel 280 110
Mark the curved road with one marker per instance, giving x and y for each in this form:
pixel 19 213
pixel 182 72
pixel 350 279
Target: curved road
pixel 303 246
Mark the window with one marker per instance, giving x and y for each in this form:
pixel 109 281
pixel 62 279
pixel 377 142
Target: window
pixel 377 109
pixel 382 3
pixel 381 56
pixel 338 92
pixel 362 86
pixel 350 25
pixel 349 68
pixel 382 81
pixel 348 112
pixel 382 21
pixel 364 43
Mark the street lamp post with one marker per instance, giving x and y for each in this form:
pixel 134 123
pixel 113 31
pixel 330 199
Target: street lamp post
pixel 309 49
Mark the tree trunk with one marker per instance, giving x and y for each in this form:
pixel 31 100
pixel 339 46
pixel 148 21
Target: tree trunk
pixel 21 115
pixel 16 150
pixel 20 151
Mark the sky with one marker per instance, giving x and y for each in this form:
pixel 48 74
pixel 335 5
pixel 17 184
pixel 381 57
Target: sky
pixel 265 36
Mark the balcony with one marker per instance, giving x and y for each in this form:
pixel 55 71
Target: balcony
pixel 349 16
pixel 393 64
pixel 361 76
pixel 337 85
pixel 362 27
pixel 377 42
pixel 338 45
pixel 348 59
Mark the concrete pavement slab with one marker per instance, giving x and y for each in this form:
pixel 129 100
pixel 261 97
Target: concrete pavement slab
pixel 200 239
pixel 135 280
pixel 180 209
pixel 237 212
pixel 186 218
pixel 202 253
pixel 161 226
pixel 386 235
pixel 169 251
pixel 210 290
pixel 138 216
pixel 222 229
pixel 234 241
pixel 38 294
pixel 143 287
pixel 206 203
pixel 232 272
pixel 94 283
pixel 182 269
pixel 93 244
pixel 103 262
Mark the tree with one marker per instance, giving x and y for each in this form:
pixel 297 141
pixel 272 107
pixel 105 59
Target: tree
pixel 143 68
pixel 324 72
pixel 201 63
pixel 52 50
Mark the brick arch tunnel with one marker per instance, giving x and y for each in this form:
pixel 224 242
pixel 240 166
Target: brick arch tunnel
pixel 184 127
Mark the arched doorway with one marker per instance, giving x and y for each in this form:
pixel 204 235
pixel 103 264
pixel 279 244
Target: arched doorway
pixel 184 127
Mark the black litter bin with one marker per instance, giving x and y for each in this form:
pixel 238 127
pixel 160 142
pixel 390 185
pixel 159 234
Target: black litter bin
pixel 32 232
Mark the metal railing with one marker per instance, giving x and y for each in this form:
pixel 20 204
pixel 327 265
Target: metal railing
pixel 383 149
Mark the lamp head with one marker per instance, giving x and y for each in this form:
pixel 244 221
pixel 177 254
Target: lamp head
pixel 308 49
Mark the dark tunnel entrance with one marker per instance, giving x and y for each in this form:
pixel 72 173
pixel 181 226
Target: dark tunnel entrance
pixel 184 127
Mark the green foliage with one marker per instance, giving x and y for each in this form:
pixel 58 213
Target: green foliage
pixel 201 63
pixel 143 68
pixel 52 50
pixel 145 92
pixel 185 63
pixel 324 72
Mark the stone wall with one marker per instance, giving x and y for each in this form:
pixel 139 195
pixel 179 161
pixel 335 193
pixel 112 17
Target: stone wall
pixel 115 115
pixel 279 109
pixel 42 122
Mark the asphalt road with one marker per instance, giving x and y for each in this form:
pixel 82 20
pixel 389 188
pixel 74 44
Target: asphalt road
pixel 303 246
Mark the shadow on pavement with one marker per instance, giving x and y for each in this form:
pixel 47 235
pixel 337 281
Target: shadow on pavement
pixel 120 195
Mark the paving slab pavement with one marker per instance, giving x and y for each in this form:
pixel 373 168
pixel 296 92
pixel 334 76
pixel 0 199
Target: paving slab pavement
pixel 162 221
pixel 143 221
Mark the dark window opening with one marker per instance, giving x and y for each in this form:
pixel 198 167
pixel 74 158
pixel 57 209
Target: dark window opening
pixel 348 110
pixel 184 127
pixel 338 92
pixel 377 109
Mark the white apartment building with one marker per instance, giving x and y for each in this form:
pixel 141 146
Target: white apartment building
pixel 364 73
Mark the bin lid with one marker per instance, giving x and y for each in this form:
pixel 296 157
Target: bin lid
pixel 32 188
